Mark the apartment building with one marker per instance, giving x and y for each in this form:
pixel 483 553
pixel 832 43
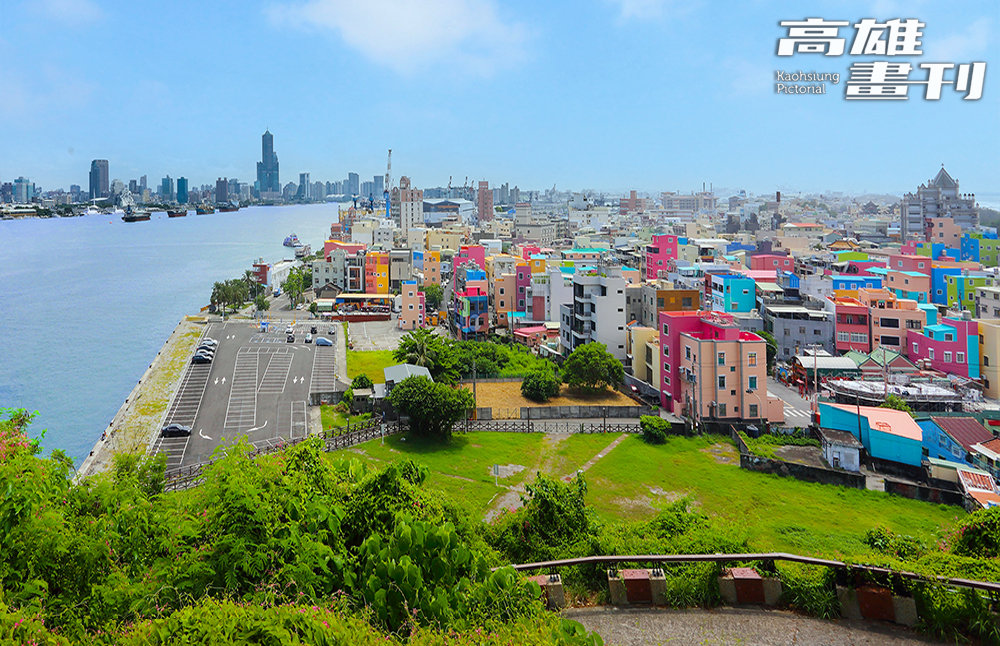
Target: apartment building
pixel 412 314
pixel 951 346
pixel 597 311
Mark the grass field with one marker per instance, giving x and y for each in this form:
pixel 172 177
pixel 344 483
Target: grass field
pixel 333 419
pixel 784 514
pixel 462 469
pixel 370 363
pixel 634 479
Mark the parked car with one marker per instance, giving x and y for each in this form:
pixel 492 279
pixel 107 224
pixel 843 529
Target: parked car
pixel 175 430
pixel 313 329
pixel 289 330
pixel 201 358
pixel 209 342
pixel 290 338
pixel 207 348
pixel 332 330
pixel 322 340
pixel 309 338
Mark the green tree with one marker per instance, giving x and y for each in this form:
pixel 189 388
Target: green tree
pixel 313 308
pixel 432 408
pixel 591 368
pixel 771 348
pixel 261 303
pixel 433 295
pixel 293 286
pixel 540 386
pixel 897 403
pixel 424 348
pixel 361 381
pixel 253 287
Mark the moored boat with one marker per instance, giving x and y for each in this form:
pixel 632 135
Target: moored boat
pixel 292 241
pixel 135 215
pixel 176 213
pixel 205 210
pixel 228 208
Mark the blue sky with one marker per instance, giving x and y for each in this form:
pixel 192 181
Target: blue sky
pixel 604 94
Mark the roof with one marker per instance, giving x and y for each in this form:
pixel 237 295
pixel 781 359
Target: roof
pixel 770 287
pixel 964 430
pixel 987 448
pixel 843 438
pixel 401 371
pixel 827 363
pixel 528 331
pixel 887 420
pixel 980 486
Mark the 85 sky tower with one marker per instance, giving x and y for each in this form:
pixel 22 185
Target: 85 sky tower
pixel 267 167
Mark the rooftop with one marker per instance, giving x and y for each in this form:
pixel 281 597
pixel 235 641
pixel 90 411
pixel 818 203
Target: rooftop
pixel 965 430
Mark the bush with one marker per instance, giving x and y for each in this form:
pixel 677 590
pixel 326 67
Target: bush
pixel 432 408
pixel 979 534
pixel 540 386
pixel 361 381
pixel 591 368
pixel 654 429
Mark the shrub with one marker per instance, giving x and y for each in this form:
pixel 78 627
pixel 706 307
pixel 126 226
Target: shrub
pixel 591 368
pixel 361 381
pixel 540 386
pixel 654 429
pixel 432 408
pixel 979 534
pixel 348 398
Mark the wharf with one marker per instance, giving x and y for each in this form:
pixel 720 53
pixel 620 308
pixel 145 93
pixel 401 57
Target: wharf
pixel 140 417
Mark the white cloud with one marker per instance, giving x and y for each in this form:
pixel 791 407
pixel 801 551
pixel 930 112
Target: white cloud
pixel 71 11
pixel 406 35
pixel 646 9
pixel 963 47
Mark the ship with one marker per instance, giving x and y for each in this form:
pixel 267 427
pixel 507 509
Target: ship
pixel 303 251
pixel 228 208
pixel 292 241
pixel 205 210
pixel 176 213
pixel 135 215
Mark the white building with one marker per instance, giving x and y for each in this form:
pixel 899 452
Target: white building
pixel 597 312
pixel 411 205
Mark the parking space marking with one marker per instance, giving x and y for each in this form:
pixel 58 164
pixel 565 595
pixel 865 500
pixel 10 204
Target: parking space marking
pixel 241 413
pixel 187 400
pixel 275 375
pixel 174 448
pixel 298 424
pixel 324 370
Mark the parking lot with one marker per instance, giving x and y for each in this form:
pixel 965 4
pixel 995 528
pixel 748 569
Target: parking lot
pixel 375 335
pixel 257 386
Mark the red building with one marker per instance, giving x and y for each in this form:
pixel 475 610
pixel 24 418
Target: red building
pixel 853 320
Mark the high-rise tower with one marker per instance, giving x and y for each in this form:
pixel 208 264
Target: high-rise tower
pixel 99 186
pixel 267 167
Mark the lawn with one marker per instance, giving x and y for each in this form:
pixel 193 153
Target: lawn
pixel 370 362
pixel 332 419
pixel 462 468
pixel 784 514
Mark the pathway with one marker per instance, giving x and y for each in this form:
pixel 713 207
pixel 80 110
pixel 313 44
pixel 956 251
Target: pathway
pixel 747 626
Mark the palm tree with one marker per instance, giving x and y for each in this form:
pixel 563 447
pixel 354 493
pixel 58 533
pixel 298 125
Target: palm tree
pixel 250 278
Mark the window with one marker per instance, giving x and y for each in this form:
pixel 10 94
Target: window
pixel 687 352
pixel 686 301
pixel 920 265
pixel 501 303
pixel 753 410
pixel 890 340
pixel 802 330
pixel 960 357
pixel 947 356
pixel 752 383
pixel 501 291
pixel 746 291
pixel 843 337
pixel 916 348
pixel 666 380
pixel 666 352
pixel 722 382
pixel 859 337
pixel 666 329
pixel 751 359
pixel 850 319
pixel 930 352
pixel 722 410
pixel 948 336
pixel 722 358
pixel 411 306
pixel 666 367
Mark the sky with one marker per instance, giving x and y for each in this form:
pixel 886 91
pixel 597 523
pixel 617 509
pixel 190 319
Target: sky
pixel 592 94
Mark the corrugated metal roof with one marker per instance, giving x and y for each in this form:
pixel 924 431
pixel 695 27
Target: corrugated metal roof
pixel 827 363
pixel 965 430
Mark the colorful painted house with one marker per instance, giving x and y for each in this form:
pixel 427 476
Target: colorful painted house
pixel 377 272
pixel 961 290
pixel 411 316
pixel 774 262
pixel 472 318
pixel 848 286
pixel 886 434
pixel 851 325
pixel 951 346
pixel 474 253
pixel 952 438
pixel 733 293
pixel 909 284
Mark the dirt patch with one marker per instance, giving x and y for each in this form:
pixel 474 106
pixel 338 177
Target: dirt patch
pixel 809 455
pixel 506 400
pixel 509 500
pixel 639 504
pixel 723 453
pixel 475 446
pixel 668 496
pixel 506 470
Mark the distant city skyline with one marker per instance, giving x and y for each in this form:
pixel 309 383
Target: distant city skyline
pixel 609 96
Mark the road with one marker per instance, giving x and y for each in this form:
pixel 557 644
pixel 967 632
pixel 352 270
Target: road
pixel 796 408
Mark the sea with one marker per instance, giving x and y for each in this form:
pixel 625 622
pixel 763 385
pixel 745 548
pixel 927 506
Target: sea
pixel 87 302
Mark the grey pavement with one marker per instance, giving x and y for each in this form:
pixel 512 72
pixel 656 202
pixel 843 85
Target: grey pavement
pixel 796 408
pixel 744 626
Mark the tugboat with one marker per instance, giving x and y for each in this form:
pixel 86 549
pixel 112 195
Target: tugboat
pixel 292 241
pixel 205 210
pixel 176 213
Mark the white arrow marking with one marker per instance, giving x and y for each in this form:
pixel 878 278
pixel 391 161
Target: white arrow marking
pixel 223 380
pixel 251 430
pixel 216 380
pixel 202 435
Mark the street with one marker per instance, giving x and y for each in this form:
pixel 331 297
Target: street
pixel 796 407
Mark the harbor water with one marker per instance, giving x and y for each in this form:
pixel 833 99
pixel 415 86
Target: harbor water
pixel 87 302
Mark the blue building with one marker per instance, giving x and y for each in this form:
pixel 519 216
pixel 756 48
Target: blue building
pixel 886 434
pixel 939 283
pixel 854 282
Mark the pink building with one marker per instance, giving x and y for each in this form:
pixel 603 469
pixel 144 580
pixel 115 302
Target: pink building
pixel 474 253
pixel 484 202
pixel 852 325
pixel 862 266
pixel 659 253
pixel 713 370
pixel 944 231
pixel 773 262
pixel 951 346
pixel 891 318
pixel 528 250
pixel 411 316
pixel 351 248
pixel 914 285
pixel 536 335
pixel 900 262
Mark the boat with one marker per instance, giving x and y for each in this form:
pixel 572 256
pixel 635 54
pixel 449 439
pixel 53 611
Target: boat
pixel 205 210
pixel 135 215
pixel 303 251
pixel 228 208
pixel 176 213
pixel 292 241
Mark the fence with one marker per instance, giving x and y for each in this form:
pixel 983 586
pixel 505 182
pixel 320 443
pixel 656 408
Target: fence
pixel 583 412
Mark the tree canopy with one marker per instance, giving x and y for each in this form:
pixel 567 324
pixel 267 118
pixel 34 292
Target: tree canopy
pixel 432 408
pixel 591 368
pixel 433 295
pixel 424 348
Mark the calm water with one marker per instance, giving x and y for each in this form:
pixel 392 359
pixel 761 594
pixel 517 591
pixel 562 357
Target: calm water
pixel 86 303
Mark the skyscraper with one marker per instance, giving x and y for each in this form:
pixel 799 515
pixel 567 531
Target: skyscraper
pixel 267 167
pixel 182 190
pixel 167 188
pixel 355 184
pixel 221 190
pixel 24 190
pixel 378 184
pixel 99 179
pixel 305 187
pixel 411 205
pixel 485 202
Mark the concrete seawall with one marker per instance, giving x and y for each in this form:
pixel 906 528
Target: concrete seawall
pixel 140 416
